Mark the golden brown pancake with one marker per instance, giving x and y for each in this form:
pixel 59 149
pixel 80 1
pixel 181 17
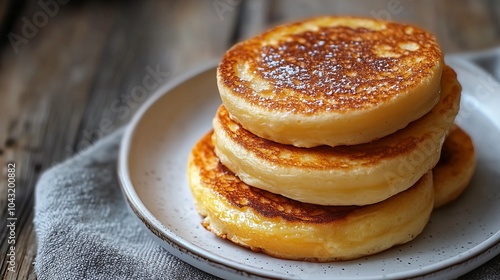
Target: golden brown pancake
pixel 455 168
pixel 343 175
pixel 285 228
pixel 331 80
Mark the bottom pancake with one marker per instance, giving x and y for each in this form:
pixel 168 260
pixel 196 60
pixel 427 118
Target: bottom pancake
pixel 455 168
pixel 288 229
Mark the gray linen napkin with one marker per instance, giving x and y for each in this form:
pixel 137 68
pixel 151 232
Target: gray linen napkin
pixel 85 230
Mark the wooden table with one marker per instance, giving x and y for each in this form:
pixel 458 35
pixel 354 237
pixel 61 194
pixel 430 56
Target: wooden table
pixel 66 67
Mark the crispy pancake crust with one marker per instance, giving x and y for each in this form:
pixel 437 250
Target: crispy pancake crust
pixel 343 175
pixel 455 168
pixel 289 229
pixel 331 80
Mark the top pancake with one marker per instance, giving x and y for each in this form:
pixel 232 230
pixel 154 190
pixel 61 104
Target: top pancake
pixel 331 80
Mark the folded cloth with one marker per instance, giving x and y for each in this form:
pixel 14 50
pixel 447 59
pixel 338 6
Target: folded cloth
pixel 85 230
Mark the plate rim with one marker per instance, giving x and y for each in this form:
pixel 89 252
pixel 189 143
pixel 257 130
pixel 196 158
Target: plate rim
pixel 185 252
pixel 137 207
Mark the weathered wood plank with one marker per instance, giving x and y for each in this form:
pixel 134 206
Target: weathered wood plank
pixel 171 38
pixel 43 87
pixel 68 84
pixel 62 83
pixel 462 25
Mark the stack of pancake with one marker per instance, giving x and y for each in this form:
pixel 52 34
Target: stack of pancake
pixel 326 142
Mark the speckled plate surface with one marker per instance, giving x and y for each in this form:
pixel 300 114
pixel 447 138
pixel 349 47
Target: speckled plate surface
pixel 152 171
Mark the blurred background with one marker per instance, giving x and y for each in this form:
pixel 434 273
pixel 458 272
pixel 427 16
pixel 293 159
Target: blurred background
pixel 73 71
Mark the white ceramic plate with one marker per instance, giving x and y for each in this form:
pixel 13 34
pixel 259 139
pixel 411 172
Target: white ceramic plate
pixel 152 170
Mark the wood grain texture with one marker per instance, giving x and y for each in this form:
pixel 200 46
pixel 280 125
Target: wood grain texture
pixel 80 76
pixel 463 25
pixel 60 86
